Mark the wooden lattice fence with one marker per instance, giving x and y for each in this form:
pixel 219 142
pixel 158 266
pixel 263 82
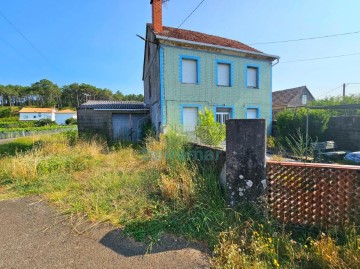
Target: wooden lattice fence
pixel 314 194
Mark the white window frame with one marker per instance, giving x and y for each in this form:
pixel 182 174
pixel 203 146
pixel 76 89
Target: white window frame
pixel 222 116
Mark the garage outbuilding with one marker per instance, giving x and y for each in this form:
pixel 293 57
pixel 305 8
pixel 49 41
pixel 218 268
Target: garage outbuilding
pixel 116 120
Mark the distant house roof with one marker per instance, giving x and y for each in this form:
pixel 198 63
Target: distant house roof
pixel 36 110
pixel 290 97
pixel 203 38
pixel 114 105
pixel 66 111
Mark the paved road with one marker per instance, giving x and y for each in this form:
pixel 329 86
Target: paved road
pixel 34 235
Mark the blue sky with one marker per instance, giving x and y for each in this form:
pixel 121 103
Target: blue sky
pixel 93 41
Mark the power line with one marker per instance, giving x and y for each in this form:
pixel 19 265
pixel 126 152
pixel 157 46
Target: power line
pixel 321 58
pixel 25 38
pixel 14 49
pixel 191 13
pixel 306 38
pixel 330 91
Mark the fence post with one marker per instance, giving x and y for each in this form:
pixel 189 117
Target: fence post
pixel 245 160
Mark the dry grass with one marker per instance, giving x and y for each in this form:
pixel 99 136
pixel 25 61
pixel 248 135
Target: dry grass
pixel 157 189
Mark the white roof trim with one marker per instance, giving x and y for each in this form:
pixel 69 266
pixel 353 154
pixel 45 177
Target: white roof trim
pixel 216 46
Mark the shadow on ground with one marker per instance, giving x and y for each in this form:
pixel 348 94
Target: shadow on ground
pixel 117 241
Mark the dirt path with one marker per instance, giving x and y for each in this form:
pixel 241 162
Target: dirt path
pixel 34 235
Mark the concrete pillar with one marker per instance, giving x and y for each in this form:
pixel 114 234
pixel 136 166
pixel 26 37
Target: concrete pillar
pixel 245 160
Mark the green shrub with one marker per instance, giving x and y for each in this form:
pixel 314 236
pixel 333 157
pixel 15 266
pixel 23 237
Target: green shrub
pixel 210 131
pixel 71 121
pixel 5 112
pixel 44 122
pixel 270 142
pixel 147 129
pixel 289 121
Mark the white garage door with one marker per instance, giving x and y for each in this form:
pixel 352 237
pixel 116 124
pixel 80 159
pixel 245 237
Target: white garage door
pixel 252 113
pixel 190 115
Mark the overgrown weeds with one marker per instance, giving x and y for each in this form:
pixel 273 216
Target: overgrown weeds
pixel 159 189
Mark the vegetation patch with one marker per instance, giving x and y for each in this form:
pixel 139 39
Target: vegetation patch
pixel 149 195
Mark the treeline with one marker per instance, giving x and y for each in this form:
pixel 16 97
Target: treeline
pixel 45 93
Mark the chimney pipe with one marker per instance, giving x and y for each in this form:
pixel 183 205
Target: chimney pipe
pixel 157 15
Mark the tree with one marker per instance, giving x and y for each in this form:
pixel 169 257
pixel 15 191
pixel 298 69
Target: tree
pixel 49 93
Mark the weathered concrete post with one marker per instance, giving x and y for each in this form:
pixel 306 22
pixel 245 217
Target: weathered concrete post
pixel 245 160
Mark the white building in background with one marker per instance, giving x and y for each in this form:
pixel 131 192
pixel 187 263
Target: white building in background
pixel 62 115
pixel 35 114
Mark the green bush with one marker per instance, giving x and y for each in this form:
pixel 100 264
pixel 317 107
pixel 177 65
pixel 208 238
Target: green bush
pixel 71 121
pixel 289 121
pixel 209 131
pixel 5 112
pixel 44 122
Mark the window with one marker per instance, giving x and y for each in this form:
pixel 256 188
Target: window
pixel 224 74
pixel 190 117
pixel 189 71
pixel 304 99
pixel 252 113
pixel 252 77
pixel 223 114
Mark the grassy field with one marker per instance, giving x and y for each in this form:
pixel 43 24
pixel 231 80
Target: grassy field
pixel 148 195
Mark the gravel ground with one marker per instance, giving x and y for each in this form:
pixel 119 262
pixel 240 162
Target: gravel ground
pixel 34 235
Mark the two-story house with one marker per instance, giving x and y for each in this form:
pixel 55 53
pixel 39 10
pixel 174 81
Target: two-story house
pixel 185 71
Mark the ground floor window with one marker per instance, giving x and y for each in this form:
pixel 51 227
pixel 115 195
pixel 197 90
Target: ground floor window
pixel 190 117
pixel 252 113
pixel 223 114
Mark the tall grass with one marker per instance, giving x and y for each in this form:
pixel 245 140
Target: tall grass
pixel 158 189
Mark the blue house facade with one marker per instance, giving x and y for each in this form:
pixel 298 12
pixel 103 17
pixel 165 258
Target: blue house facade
pixel 186 71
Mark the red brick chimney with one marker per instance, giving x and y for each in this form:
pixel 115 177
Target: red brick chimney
pixel 157 15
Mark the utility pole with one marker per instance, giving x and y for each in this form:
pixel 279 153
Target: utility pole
pixel 344 89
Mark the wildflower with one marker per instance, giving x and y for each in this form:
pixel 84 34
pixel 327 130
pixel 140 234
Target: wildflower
pixel 270 240
pixel 276 263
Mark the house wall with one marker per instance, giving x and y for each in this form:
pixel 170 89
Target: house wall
pixel 36 116
pixel 101 122
pixel 207 93
pixel 345 131
pixel 60 118
pixel 95 122
pixel 152 79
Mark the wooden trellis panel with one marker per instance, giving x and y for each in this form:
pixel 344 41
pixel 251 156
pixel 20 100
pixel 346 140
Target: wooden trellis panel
pixel 314 194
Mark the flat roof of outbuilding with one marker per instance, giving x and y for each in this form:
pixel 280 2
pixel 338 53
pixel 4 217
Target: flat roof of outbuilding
pixel 113 105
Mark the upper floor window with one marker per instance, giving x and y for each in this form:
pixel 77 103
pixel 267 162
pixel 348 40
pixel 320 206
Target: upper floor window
pixel 223 114
pixel 223 74
pixel 189 70
pixel 252 77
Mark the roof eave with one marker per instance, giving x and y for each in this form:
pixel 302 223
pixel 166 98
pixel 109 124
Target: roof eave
pixel 268 56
